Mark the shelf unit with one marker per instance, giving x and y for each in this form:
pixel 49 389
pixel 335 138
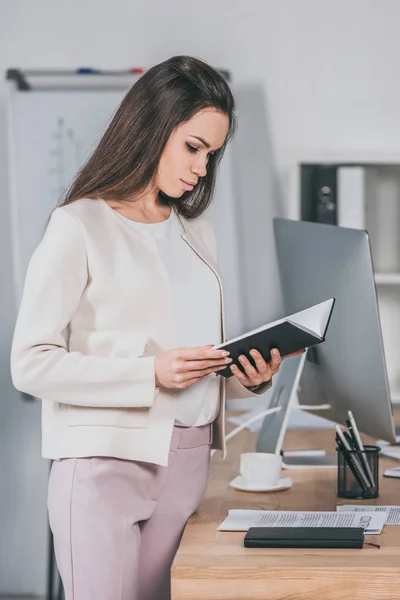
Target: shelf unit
pixel 372 203
pixel 387 278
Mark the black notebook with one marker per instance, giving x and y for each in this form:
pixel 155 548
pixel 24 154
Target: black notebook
pixel 298 331
pixel 304 537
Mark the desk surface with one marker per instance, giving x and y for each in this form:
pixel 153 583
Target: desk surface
pixel 215 565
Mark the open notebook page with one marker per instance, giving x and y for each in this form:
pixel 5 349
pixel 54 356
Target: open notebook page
pixel 314 319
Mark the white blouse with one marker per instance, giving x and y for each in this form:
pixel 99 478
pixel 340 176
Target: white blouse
pixel 197 313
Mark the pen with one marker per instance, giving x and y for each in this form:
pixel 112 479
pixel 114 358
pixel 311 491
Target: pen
pixel 353 458
pixel 358 442
pixel 354 448
pixel 350 441
pixel 351 431
pixel 349 462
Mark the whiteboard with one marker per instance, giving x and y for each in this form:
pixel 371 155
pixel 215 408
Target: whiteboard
pixel 50 134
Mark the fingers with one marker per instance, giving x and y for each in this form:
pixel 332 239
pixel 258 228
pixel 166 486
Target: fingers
pixel 189 365
pixel 200 353
pixel 261 372
pixel 244 379
pixel 252 375
pixel 275 361
pixel 183 380
pixel 198 365
pixel 199 359
pixel 263 368
pixel 192 364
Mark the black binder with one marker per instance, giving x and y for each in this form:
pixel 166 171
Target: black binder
pixel 319 193
pixel 286 334
pixel 304 537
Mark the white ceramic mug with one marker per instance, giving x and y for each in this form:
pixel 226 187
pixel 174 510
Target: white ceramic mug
pixel 261 467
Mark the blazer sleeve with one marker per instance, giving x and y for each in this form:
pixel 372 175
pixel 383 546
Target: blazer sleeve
pixel 41 364
pixel 233 387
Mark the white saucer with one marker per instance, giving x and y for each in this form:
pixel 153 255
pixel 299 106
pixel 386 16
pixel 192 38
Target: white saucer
pixel 240 483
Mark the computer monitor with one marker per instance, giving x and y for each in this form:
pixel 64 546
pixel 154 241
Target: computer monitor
pixel 348 370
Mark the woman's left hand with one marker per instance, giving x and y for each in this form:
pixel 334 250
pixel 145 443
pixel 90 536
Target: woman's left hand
pixel 263 371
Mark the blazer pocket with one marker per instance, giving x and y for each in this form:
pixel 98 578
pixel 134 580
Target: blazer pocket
pixel 128 418
pixel 115 344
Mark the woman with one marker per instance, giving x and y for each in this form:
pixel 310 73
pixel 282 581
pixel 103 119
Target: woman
pixel 121 309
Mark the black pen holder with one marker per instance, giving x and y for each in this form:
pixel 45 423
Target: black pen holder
pixel 358 473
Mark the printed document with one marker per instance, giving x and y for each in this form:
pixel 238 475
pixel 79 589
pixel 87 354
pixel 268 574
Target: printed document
pixel 242 520
pixel 392 513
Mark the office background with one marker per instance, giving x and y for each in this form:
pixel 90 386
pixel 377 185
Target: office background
pixel 308 75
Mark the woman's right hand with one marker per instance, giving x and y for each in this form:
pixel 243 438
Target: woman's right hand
pixel 181 367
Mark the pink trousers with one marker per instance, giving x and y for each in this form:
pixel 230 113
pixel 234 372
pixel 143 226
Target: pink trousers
pixel 117 524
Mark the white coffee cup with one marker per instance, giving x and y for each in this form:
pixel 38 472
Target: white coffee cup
pixel 261 467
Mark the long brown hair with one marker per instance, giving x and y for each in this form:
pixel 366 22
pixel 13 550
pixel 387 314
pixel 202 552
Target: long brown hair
pixel 126 158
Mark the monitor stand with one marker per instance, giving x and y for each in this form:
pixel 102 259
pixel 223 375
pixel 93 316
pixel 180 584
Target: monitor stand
pixel 322 462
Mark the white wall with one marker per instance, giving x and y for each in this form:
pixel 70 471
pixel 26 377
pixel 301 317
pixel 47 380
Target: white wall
pixel 308 74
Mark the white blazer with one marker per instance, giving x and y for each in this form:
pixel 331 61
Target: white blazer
pixel 96 310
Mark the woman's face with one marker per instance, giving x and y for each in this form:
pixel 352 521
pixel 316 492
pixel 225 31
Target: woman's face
pixel 186 153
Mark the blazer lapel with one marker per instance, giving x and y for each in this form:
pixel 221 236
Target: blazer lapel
pixel 198 245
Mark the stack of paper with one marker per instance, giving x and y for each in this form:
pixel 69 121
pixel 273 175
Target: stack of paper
pixel 242 520
pixel 393 472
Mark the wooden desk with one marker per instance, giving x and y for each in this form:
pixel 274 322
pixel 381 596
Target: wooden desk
pixel 215 565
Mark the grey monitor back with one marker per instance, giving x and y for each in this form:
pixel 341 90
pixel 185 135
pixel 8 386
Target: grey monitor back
pixel 348 370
